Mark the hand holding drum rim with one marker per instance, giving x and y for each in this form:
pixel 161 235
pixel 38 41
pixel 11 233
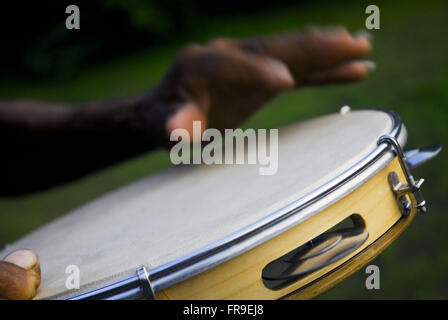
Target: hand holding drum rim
pixel 220 84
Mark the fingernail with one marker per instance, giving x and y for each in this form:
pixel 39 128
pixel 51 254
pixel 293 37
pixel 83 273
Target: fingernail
pixel 363 33
pixel 24 258
pixel 281 71
pixel 371 66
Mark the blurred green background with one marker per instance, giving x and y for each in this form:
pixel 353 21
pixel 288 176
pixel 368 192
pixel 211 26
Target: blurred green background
pixel 410 49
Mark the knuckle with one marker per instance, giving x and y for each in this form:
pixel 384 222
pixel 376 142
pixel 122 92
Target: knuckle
pixel 221 43
pixel 28 285
pixel 187 56
pixel 190 50
pixel 17 283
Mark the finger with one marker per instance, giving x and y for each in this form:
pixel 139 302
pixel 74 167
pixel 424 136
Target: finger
pixel 348 72
pixel 19 275
pixel 220 65
pixel 248 76
pixel 204 74
pixel 200 76
pixel 262 74
pixel 280 78
pixel 24 258
pixel 255 71
pixel 184 119
pixel 312 50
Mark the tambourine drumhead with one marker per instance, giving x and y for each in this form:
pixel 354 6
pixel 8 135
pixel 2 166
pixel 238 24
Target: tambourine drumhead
pixel 161 219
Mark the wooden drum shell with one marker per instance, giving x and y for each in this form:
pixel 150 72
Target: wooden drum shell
pixel 240 278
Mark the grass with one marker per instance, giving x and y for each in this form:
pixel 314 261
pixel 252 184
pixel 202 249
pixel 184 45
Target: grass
pixel 411 54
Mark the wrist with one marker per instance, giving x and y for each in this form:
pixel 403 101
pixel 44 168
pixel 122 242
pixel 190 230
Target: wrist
pixel 116 120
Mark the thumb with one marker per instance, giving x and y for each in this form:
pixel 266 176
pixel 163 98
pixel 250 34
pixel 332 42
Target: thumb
pixel 19 275
pixel 185 117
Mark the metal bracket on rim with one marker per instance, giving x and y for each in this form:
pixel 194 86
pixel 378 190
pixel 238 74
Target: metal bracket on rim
pixel 412 189
pixel 145 283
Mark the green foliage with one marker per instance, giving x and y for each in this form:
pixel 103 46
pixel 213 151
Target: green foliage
pixel 40 47
pixel 142 15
